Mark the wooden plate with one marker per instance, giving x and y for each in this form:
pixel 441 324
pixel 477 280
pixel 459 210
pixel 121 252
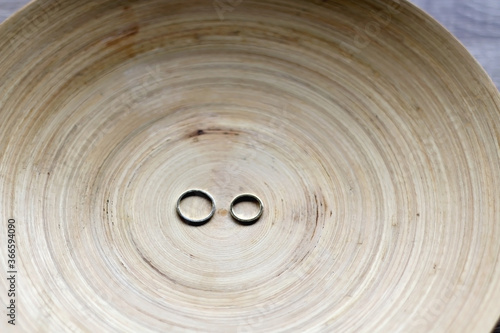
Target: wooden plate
pixel 369 133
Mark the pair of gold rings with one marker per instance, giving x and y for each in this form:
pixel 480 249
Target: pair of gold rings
pixel 245 197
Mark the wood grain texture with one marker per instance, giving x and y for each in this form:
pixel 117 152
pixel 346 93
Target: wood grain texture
pixel 475 23
pixel 370 134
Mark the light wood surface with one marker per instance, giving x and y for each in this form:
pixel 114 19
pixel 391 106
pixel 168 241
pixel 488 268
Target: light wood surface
pixel 370 134
pixel 475 23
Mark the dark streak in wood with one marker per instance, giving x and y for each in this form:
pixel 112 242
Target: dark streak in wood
pixel 123 35
pixel 210 131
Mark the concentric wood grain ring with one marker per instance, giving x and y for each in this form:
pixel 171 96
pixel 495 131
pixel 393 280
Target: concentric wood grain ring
pixel 369 132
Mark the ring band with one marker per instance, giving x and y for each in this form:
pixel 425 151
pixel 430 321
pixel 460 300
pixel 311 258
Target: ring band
pixel 246 197
pixel 198 193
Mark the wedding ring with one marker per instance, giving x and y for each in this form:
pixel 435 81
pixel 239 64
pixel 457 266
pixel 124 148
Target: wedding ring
pixel 197 193
pixel 246 197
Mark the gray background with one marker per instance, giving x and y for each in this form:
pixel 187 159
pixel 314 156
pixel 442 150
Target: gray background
pixel 476 23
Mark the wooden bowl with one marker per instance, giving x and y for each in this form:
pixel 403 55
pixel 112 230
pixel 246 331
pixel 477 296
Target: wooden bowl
pixel 369 133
